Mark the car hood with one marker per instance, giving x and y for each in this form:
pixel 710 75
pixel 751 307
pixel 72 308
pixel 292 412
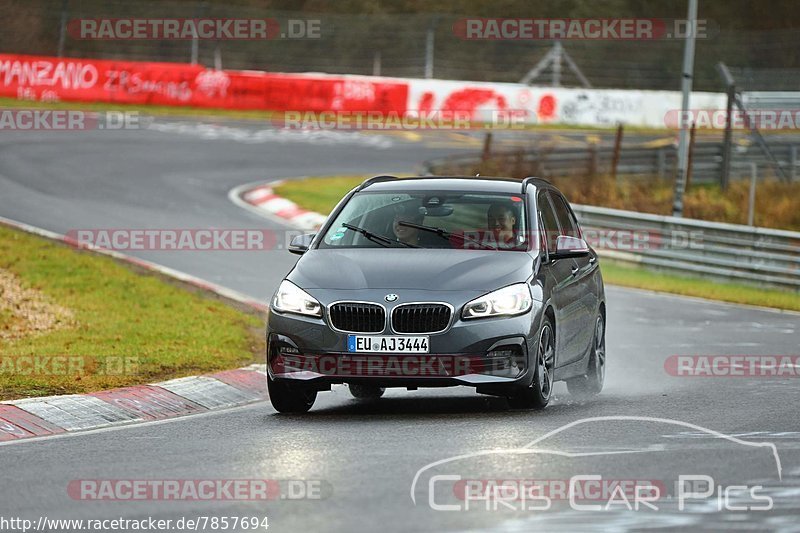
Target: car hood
pixel 399 268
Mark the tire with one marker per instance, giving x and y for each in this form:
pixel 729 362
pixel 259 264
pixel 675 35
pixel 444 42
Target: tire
pixel 366 392
pixel 591 383
pixel 538 395
pixel 289 397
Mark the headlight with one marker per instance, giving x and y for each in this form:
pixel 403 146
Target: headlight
pixel 292 299
pixel 508 301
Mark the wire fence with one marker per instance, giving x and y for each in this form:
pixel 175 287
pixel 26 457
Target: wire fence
pixel 402 46
pixel 634 161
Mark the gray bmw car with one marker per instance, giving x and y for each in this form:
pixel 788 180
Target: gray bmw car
pixel 436 282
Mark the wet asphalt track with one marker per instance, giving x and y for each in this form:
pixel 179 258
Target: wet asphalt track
pixel 365 456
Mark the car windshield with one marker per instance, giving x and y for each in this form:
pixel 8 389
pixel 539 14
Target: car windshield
pixel 428 219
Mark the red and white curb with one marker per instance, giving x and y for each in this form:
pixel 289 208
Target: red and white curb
pixel 261 199
pixel 51 415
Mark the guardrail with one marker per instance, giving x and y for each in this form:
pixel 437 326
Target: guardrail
pixel 634 161
pixel 778 100
pixel 711 249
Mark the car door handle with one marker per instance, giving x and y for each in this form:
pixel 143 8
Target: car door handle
pixel 575 269
pixel 593 259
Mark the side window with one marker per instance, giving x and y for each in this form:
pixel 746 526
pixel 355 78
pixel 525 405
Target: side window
pixel 550 231
pixel 566 220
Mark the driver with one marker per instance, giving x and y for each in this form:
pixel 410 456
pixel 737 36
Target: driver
pixel 407 234
pixel 501 221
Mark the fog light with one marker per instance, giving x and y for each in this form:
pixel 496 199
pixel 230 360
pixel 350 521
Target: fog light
pixel 501 353
pixel 288 350
pixel 505 361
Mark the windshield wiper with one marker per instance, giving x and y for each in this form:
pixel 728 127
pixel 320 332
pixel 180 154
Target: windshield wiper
pixel 380 239
pixel 443 233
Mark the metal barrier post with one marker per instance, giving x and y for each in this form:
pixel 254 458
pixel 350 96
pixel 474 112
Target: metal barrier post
pixel 617 148
pixel 730 88
pixel 690 157
pixel 487 147
pixel 751 205
pixel 62 35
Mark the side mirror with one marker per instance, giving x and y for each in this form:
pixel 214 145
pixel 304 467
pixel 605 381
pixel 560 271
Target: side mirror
pixel 300 243
pixel 570 247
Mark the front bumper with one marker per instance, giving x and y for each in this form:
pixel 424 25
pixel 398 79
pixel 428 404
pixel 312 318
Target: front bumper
pixel 485 353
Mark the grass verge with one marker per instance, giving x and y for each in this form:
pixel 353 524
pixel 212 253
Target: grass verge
pixel 157 110
pixel 318 194
pixel 625 275
pixel 127 326
pixel 322 193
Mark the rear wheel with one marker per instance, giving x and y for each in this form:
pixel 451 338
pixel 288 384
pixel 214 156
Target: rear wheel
pixel 366 392
pixel 289 397
pixel 591 383
pixel 537 396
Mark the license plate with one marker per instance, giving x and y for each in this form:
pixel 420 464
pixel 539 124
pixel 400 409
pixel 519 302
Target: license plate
pixel 386 344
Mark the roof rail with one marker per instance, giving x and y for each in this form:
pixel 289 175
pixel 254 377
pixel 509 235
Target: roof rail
pixel 375 179
pixel 527 182
pixel 530 179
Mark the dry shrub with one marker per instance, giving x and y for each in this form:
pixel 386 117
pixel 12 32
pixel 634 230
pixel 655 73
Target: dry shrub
pixel 777 203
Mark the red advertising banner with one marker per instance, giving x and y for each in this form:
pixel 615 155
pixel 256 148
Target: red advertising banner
pixel 131 82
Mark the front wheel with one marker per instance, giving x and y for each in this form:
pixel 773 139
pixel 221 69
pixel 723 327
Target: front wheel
pixel 537 396
pixel 287 397
pixel 591 383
